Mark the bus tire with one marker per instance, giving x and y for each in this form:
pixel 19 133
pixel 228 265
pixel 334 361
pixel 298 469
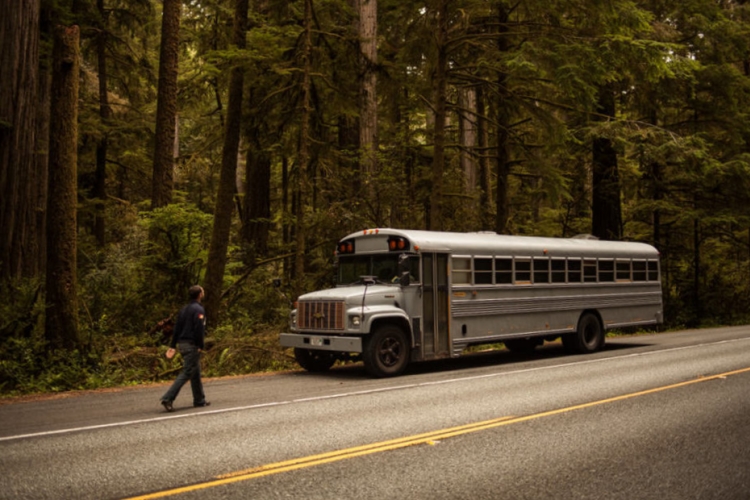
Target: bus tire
pixel 386 352
pixel 314 361
pixel 589 337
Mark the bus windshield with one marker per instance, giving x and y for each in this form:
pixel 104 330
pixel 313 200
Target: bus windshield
pixel 383 267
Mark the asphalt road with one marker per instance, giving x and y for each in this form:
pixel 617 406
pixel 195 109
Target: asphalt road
pixel 651 417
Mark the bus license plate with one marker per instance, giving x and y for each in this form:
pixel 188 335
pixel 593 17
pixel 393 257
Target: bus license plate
pixel 316 341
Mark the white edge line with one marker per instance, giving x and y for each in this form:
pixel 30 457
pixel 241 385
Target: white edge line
pixel 350 394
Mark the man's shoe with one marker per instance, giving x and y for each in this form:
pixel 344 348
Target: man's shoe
pixel 201 405
pixel 167 405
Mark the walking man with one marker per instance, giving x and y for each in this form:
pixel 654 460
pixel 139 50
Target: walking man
pixel 188 335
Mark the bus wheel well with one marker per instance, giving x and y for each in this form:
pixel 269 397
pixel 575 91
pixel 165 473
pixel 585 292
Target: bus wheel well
pixel 595 312
pixel 396 321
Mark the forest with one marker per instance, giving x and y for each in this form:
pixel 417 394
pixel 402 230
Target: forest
pixel 149 145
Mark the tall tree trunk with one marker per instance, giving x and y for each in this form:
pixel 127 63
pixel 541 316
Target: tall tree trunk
pixel 368 105
pixel 467 101
pixel 100 176
pixel 166 106
pixel 19 60
pixel 441 83
pixel 286 212
pixel 485 173
pixel 61 327
pixel 303 155
pixel 606 218
pixel 697 304
pixel 217 252
pixel 257 201
pixel 502 158
pixel 42 149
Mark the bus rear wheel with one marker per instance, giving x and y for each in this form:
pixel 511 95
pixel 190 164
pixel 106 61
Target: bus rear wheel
pixel 386 352
pixel 314 361
pixel 589 337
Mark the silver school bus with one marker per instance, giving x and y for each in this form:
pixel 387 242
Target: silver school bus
pixel 417 295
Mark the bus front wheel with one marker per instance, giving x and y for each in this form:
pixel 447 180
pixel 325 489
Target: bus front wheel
pixel 314 361
pixel 589 337
pixel 386 352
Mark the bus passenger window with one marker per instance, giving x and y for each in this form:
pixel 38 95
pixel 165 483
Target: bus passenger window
pixel 558 271
pixel 523 272
pixel 623 270
pixel 541 270
pixel 589 271
pixel 574 270
pixel 639 270
pixel 482 271
pixel 606 270
pixel 503 271
pixel 461 271
pixel 653 270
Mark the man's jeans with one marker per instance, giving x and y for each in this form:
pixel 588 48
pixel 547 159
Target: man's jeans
pixel 191 370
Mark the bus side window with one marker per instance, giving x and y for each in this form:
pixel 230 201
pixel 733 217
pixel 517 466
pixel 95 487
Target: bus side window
pixel 558 271
pixel 653 270
pixel 606 270
pixel 574 270
pixel 589 271
pixel 503 271
pixel 639 270
pixel 461 270
pixel 522 271
pixel 482 271
pixel 541 270
pixel 622 268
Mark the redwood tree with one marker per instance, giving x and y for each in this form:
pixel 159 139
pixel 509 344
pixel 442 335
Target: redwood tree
pixel 440 83
pixel 61 327
pixel 166 106
pixel 368 104
pixel 19 180
pixel 217 253
pixel 605 207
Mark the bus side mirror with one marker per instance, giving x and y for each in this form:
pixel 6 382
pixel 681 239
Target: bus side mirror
pixel 404 270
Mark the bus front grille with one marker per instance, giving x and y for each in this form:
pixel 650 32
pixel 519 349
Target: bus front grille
pixel 321 315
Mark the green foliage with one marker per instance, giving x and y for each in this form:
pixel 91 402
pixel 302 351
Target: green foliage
pixel 680 71
pixel 175 254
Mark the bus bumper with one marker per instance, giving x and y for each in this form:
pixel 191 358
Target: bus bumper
pixel 321 342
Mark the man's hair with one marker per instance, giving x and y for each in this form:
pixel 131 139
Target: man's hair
pixel 195 292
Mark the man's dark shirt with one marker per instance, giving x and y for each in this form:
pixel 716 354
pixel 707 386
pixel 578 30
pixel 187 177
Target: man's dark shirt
pixel 191 325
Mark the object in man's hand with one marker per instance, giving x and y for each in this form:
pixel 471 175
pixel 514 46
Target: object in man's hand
pixel 170 353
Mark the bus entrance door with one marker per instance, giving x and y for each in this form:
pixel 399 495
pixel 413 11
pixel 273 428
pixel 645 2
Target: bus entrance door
pixel 435 298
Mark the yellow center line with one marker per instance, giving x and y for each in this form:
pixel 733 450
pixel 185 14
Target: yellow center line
pixel 394 444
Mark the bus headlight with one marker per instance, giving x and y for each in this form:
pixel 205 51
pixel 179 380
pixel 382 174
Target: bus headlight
pixel 355 320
